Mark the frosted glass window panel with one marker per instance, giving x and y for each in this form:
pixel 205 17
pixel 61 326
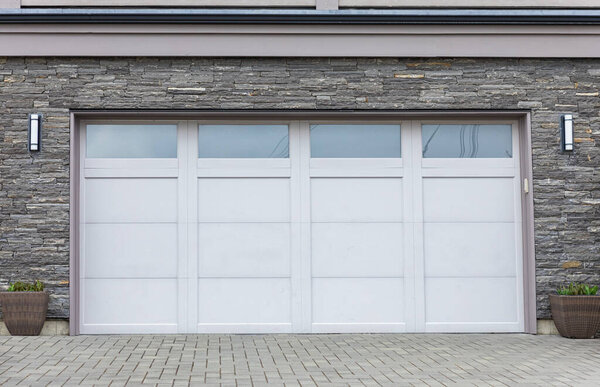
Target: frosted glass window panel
pixel 467 141
pixel 131 141
pixel 355 141
pixel 243 141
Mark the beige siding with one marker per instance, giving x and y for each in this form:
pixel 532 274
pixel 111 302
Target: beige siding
pixel 470 3
pixel 299 40
pixel 312 3
pixel 168 3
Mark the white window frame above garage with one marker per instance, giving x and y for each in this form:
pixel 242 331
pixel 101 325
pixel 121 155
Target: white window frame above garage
pixel 97 165
pixel 324 167
pixel 484 163
pixel 245 167
pixel 519 118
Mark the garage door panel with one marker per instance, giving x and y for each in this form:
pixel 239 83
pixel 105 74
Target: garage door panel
pixel 244 249
pixel 244 300
pixel 358 300
pixel 468 199
pixel 130 301
pixel 244 200
pixel 356 199
pixel 471 300
pixel 282 237
pixel 357 249
pixel 132 250
pixel 131 200
pixel 470 249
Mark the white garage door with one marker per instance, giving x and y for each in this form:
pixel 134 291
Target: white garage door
pixel 194 227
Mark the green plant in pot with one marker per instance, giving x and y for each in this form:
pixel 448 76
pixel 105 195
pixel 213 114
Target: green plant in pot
pixel 24 307
pixel 576 310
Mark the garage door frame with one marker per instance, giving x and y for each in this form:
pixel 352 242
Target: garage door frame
pixel 524 131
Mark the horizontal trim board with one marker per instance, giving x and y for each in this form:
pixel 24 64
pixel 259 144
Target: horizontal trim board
pixel 311 3
pixel 139 222
pixel 210 173
pixel 362 173
pixel 473 327
pixel 474 172
pixel 132 163
pixel 299 114
pixel 302 16
pixel 462 3
pixel 128 329
pixel 244 163
pixel 300 41
pixel 169 3
pixel 247 328
pixel 394 327
pixel 295 29
pixel 130 278
pixel 135 173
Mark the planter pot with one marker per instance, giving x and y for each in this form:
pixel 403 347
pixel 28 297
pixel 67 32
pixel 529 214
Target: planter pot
pixel 24 312
pixel 576 317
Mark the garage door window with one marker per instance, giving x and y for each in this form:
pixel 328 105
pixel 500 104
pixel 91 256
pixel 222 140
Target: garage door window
pixel 131 141
pixel 243 141
pixel 467 141
pixel 355 141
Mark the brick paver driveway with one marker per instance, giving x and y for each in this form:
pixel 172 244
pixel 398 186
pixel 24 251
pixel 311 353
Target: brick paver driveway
pixel 300 360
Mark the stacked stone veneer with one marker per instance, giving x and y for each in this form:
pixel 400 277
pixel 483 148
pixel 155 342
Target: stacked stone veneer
pixel 34 188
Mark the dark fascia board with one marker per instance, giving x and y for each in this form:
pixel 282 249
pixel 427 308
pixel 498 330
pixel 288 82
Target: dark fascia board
pixel 303 16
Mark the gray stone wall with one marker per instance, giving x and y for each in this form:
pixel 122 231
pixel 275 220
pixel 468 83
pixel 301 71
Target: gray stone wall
pixel 34 188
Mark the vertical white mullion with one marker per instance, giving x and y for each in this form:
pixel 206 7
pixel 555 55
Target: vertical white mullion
pixel 182 213
pixel 418 227
pixel 181 230
pixel 408 227
pixel 305 226
pixel 82 220
pixel 192 237
pixel 295 228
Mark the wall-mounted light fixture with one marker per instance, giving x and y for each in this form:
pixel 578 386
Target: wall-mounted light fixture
pixel 35 132
pixel 566 132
